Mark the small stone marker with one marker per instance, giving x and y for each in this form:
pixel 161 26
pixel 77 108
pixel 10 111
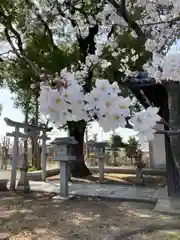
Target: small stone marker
pixel 63 148
pixel 43 155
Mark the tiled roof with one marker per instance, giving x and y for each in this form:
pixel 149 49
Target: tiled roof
pixel 140 77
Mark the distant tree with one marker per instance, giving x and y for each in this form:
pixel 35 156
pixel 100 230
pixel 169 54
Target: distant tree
pixel 115 143
pixel 131 148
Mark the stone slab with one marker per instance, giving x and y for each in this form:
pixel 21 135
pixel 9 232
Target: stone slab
pixel 97 190
pixel 162 193
pixel 166 204
pixel 139 192
pixel 171 206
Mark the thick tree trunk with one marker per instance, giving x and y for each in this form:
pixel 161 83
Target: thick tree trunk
pixel 36 159
pixel 78 167
pixel 172 142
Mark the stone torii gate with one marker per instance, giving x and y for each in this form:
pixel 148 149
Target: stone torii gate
pixel 23 182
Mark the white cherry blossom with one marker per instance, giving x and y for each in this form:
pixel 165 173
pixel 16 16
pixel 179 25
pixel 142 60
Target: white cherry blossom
pixel 103 102
pixel 145 121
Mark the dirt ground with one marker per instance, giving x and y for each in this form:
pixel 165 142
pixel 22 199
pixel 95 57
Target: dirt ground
pixel 36 216
pixel 165 235
pixel 122 179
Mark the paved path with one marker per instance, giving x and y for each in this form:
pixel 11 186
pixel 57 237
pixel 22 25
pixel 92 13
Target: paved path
pixel 97 190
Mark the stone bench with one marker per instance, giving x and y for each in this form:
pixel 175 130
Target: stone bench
pixel 3 185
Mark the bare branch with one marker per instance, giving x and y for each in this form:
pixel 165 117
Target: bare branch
pixel 6 20
pixel 172 21
pixel 21 54
pixel 4 53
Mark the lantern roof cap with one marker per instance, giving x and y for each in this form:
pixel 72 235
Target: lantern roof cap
pixel 140 77
pixel 65 141
pixel 101 144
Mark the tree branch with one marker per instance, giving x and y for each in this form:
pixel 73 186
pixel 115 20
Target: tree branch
pixel 15 50
pixel 21 54
pixel 61 13
pixel 6 20
pixel 44 23
pixel 121 10
pixel 168 132
pixel 172 21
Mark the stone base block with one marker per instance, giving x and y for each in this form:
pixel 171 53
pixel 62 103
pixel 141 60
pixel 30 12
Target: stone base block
pixel 3 184
pixel 103 181
pixel 60 198
pixel 171 206
pixel 23 188
pixel 165 203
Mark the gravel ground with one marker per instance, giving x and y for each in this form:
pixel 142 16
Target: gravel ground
pixel 37 216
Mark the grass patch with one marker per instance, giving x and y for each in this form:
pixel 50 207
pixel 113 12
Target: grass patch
pixel 32 169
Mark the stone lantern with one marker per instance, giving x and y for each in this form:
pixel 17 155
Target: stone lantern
pixel 100 148
pixel 63 152
pixel 100 153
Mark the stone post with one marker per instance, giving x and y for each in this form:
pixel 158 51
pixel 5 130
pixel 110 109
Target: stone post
pixel 64 175
pixel 23 183
pixel 43 156
pixel 157 149
pixel 14 159
pixel 101 168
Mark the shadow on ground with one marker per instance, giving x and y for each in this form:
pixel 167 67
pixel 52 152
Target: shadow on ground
pixel 36 216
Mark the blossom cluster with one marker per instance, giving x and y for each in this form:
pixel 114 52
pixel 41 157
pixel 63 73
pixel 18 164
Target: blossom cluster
pixel 163 23
pixel 104 103
pixel 156 28
pixel 158 21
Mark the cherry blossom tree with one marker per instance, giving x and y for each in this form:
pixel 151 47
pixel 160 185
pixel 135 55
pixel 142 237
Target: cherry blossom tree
pixel 112 39
pixel 148 24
